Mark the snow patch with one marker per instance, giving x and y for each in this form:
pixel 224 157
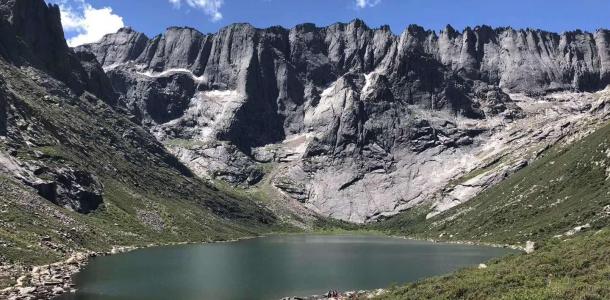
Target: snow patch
pixel 169 72
pixel 530 247
pixel 367 82
pixel 111 67
pixel 223 95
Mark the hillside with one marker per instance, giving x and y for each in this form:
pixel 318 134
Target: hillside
pixel 561 202
pixel 98 178
pixel 571 268
pixel 565 188
pixel 76 173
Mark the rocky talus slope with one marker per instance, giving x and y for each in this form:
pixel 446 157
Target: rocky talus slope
pixel 565 191
pixel 358 123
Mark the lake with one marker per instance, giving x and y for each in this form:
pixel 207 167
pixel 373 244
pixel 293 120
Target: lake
pixel 271 267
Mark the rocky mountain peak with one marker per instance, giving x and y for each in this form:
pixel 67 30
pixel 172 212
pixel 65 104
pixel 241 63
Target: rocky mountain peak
pixel 344 101
pixel 125 45
pixel 31 34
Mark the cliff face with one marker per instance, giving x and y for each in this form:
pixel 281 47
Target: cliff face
pixel 357 122
pixel 31 35
pixel 283 69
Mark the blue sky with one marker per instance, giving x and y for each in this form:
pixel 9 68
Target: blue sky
pixel 88 20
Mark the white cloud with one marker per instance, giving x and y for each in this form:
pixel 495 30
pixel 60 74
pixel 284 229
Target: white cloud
pixel 89 24
pixel 209 7
pixel 366 3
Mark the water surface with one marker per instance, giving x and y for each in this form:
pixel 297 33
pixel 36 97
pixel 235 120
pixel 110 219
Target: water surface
pixel 271 267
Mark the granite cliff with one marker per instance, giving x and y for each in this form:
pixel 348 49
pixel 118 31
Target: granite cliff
pixel 354 122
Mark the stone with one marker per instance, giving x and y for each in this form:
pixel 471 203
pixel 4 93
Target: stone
pixel 530 247
pixel 24 291
pixel 21 281
pixel 77 189
pixel 361 122
pixel 58 290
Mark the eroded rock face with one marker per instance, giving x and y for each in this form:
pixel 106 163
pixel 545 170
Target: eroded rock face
pixel 126 43
pixel 31 35
pixel 358 123
pixel 78 190
pixel 3 114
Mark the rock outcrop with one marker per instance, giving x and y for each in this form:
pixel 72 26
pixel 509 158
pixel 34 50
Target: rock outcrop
pixel 361 122
pixel 3 114
pixel 78 190
pixel 31 35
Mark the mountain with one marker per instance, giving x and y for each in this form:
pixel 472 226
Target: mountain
pixel 353 122
pixel 560 203
pixel 561 193
pixel 32 35
pixel 76 173
pixel 488 135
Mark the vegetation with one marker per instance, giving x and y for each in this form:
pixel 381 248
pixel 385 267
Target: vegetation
pixel 576 268
pixel 568 187
pixel 551 202
pixel 148 196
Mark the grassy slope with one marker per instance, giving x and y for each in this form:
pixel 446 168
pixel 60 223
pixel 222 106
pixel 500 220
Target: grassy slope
pixel 148 196
pixel 568 187
pixel 576 268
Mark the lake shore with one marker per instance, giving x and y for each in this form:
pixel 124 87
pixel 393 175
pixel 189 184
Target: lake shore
pixel 52 280
pixel 343 295
pixel 469 243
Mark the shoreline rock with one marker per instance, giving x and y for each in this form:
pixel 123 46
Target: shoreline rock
pixel 343 295
pixel 51 280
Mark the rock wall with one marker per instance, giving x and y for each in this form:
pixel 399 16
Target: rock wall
pixel 31 35
pixel 358 122
pixel 282 70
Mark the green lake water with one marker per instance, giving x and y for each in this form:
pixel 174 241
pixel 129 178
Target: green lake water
pixel 271 267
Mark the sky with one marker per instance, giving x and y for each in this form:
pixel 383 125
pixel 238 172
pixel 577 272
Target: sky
pixel 86 21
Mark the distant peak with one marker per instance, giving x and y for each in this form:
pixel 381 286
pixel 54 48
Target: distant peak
pixel 126 29
pixel 180 28
pixel 359 23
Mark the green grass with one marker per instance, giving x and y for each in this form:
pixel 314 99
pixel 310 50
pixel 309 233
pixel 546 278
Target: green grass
pixel 577 268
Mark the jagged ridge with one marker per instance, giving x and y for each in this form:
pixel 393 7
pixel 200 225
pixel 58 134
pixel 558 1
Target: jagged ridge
pixel 345 102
